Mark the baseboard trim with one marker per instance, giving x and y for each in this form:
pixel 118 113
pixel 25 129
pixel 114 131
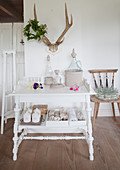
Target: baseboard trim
pixel 106 112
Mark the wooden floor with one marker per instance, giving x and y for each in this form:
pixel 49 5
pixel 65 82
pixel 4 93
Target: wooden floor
pixel 64 155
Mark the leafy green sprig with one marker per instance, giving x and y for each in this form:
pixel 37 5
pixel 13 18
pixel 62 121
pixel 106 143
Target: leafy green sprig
pixel 34 31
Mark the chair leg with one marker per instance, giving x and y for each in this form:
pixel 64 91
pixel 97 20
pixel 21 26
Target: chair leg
pixel 113 109
pixel 94 116
pixel 97 109
pixel 118 107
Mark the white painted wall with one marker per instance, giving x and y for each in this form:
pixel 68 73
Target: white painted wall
pixel 95 35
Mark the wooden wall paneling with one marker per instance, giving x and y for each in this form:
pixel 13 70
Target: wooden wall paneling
pixel 5 44
pixel 19 52
pixel 10 36
pixel 9 84
pixel 19 46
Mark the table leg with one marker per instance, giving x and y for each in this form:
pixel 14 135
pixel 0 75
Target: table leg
pixel 15 138
pixel 89 129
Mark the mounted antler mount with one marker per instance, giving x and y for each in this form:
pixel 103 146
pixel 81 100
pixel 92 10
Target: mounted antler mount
pixel 53 47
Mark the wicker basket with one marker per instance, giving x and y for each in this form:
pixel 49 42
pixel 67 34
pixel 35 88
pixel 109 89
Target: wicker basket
pixel 73 77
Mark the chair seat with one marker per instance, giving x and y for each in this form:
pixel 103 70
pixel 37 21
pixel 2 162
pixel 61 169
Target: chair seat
pixel 93 98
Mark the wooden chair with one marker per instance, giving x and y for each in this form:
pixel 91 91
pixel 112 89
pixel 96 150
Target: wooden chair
pixel 99 83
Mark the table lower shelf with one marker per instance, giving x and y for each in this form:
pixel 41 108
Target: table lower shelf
pixel 44 129
pixel 55 127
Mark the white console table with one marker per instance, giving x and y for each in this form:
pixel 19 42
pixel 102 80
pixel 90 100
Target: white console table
pixel 23 95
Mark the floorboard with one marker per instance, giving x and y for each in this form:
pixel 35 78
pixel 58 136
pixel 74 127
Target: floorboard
pixel 66 154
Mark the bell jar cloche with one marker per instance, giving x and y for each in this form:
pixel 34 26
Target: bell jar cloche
pixel 74 73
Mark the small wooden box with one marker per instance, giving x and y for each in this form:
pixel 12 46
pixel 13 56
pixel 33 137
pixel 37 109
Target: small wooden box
pixel 43 108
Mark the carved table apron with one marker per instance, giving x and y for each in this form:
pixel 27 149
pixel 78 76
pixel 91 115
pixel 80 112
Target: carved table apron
pixel 23 95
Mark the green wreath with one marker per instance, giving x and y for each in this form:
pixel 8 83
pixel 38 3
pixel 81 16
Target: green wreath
pixel 34 31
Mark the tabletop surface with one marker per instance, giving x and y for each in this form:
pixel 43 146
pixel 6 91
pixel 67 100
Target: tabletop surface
pixel 47 90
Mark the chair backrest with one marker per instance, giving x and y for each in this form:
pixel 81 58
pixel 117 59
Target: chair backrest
pixel 99 73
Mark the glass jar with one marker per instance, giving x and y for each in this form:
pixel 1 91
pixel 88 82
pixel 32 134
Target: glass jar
pixel 75 64
pixel 74 73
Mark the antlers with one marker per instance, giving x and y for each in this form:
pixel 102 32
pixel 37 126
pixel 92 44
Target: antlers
pixel 66 28
pixel 53 47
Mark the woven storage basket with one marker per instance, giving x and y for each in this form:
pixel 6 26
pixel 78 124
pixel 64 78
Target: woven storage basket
pixel 73 77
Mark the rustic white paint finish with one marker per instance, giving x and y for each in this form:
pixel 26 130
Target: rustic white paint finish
pixel 24 95
pixel 10 36
pixel 5 92
pixel 5 39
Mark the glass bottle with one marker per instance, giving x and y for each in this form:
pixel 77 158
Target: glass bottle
pixel 49 71
pixel 57 77
pixel 48 80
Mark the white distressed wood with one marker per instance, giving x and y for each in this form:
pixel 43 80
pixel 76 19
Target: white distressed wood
pixel 14 69
pixel 15 138
pixel 54 137
pixel 89 126
pixel 9 41
pixel 23 95
pixel 3 96
pixel 53 129
pixel 21 137
pixel 4 99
